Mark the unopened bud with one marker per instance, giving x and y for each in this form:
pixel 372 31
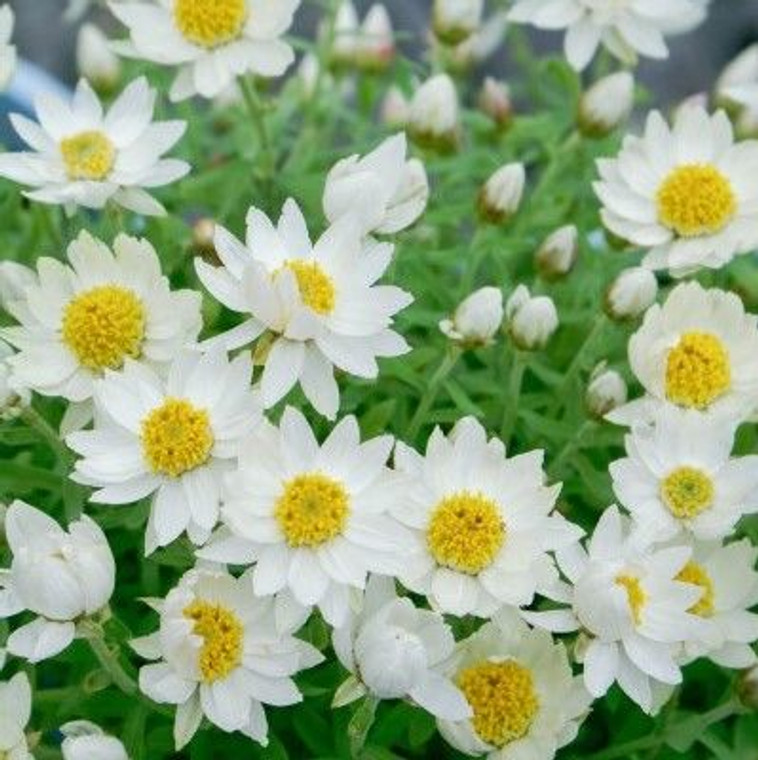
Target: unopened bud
pixel 202 239
pixel 434 114
pixel 477 319
pixel 606 390
pixel 395 108
pixel 455 20
pixel 556 257
pixel 376 45
pixel 606 104
pixel 531 320
pixel 95 60
pixel 631 293
pixel 495 101
pixel 500 197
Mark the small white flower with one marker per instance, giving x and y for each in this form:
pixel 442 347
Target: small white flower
pixel 346 34
pixel 8 56
pixel 15 709
pixel 376 47
pixel 606 105
pixel 395 109
pixel 78 321
pixel 384 190
pixel 685 192
pixel 606 390
pixel 477 318
pixel 557 255
pixel 395 651
pixel 171 438
pixel 82 156
pixel 57 574
pixel 495 101
pixel 482 44
pixel 531 320
pixel 211 42
pixel 679 475
pixel 631 294
pixel 483 524
pixel 434 118
pixel 95 59
pixel 313 518
pixel 500 197
pixel 626 28
pixel 525 700
pixel 86 741
pixel 318 303
pixel 223 654
pixel 455 20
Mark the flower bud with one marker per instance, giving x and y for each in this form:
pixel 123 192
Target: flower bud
pixel 606 390
pixel 434 114
pixel 495 101
pixel 95 60
pixel 13 396
pixel 86 741
pixel 556 257
pixel 376 46
pixel 395 109
pixel 531 320
pixel 606 104
pixel 477 319
pixel 631 293
pixel 346 29
pixel 455 20
pixel 500 197
pixel 747 688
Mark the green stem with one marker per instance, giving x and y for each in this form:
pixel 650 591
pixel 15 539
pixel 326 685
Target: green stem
pixel 257 115
pixel 580 359
pixel 476 257
pixel 513 395
pixel 570 447
pixel 109 660
pixel 37 422
pixel 360 724
pixel 446 365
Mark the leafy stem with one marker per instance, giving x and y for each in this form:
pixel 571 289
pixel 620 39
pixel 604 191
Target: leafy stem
pixel 449 360
pixel 108 659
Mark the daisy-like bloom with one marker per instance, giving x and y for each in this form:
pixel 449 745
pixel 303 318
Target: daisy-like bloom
pixel 82 156
pixel 16 709
pixel 626 28
pixel 685 192
pixel 728 584
pixel 59 575
pixel 395 651
pixel 632 607
pixel 7 51
pixel 699 350
pixel 384 190
pixel 211 41
pixel 679 475
pixel 171 438
pixel 223 654
pixel 318 303
pixel 525 700
pixel 313 518
pixel 482 523
pixel 86 741
pixel 80 320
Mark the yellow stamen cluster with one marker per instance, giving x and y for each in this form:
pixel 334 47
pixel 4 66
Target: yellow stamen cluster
pixel 176 437
pixel 698 370
pixel 103 326
pixel 687 492
pixel 466 532
pixel 635 595
pixel 210 23
pixel 696 199
pixel 222 634
pixel 313 509
pixel 503 699
pixel 88 155
pixel 316 287
pixel 695 574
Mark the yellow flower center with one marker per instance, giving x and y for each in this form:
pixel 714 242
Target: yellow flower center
pixel 696 199
pixel 697 576
pixel 316 287
pixel 312 510
pixel 222 633
pixel 104 325
pixel 210 23
pixel 466 532
pixel 635 595
pixel 698 370
pixel 503 699
pixel 176 437
pixel 687 492
pixel 89 155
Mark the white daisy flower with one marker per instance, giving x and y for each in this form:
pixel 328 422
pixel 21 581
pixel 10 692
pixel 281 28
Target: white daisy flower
pixel 728 582
pixel 82 156
pixel 626 28
pixel 211 41
pixel 483 524
pixel 171 438
pixel 395 651
pixel 313 518
pixel 223 654
pixel 318 302
pixel 525 700
pixel 8 55
pixel 679 475
pixel 698 350
pixel 105 307
pixel 686 192
pixel 16 709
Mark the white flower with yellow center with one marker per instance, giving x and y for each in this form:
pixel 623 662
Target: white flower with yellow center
pixel 171 438
pixel 223 654
pixel 313 518
pixel 679 475
pixel 15 709
pixel 78 321
pixel 686 192
pixel 318 303
pixel 483 524
pixel 525 701
pixel 728 582
pixel 699 350
pixel 626 28
pixel 211 41
pixel 83 156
